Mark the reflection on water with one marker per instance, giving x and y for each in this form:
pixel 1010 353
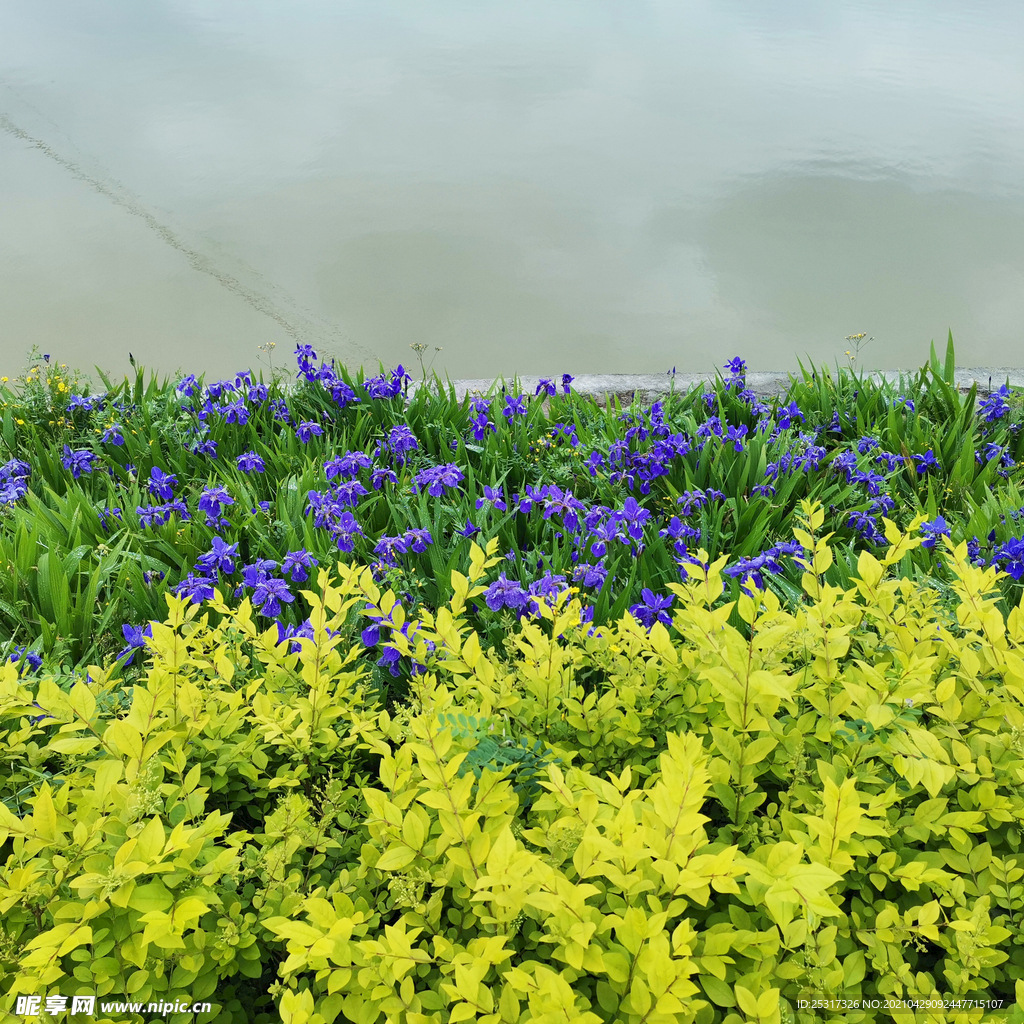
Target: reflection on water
pixel 538 188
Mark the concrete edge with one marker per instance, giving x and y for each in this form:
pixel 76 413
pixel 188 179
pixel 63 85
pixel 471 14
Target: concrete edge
pixel 647 388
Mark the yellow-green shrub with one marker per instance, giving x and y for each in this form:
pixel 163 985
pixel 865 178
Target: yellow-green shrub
pixel 823 802
pixel 126 877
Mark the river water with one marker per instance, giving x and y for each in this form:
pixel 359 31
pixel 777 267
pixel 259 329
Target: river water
pixel 533 187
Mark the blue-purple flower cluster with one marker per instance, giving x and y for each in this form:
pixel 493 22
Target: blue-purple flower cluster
pixel 594 534
pixel 14 477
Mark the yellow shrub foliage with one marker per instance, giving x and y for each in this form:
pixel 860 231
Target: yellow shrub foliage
pixel 733 821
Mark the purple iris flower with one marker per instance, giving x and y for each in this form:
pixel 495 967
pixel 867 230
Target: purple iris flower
pixel 389 547
pixel 344 530
pixel 380 474
pixel 867 526
pixel 136 639
pixel 269 593
pixel 249 462
pixel 481 424
pixel 212 498
pixel 514 406
pixel 590 575
pixel 994 406
pixel 546 385
pixel 161 484
pixel 380 387
pixel 653 609
pixel 469 529
pixel 402 440
pixel 495 495
pixel 150 515
pixel 602 533
pixel 106 515
pixel 926 462
pixel 197 588
pixel 874 481
pixel 417 540
pixel 933 530
pixel 220 558
pixel 566 430
pixel 32 660
pixel 78 462
pixel 298 563
pixel 505 593
pixel 883 503
pixel 307 429
pixel 634 516
pixel 236 412
pixel 437 478
pixel 347 466
pixel 349 493
pixel 221 387
pixel 254 573
pixel 1011 554
pixel 845 462
pixel 736 435
pixel 989 451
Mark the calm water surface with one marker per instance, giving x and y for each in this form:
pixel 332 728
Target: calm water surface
pixel 532 187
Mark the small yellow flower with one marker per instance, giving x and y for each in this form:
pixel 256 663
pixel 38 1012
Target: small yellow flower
pixel 3 380
pixel 22 422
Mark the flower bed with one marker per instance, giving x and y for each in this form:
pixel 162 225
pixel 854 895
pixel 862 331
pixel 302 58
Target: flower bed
pixel 110 500
pixel 658 756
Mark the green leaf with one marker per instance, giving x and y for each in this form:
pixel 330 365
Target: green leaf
pixel 934 362
pixel 949 370
pixel 54 595
pixel 717 991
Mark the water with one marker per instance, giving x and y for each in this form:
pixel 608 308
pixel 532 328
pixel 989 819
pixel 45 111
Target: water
pixel 536 187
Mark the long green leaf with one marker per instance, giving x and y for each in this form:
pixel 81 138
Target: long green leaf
pixel 949 370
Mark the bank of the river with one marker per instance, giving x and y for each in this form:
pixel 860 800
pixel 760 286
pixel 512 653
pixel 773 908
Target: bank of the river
pixel 646 388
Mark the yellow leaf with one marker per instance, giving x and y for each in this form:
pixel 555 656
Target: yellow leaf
pixel 746 999
pixel 126 738
pixel 414 827
pixel 501 853
pixel 150 841
pixel 44 814
pixel 869 569
pixel 396 858
pixel 83 701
